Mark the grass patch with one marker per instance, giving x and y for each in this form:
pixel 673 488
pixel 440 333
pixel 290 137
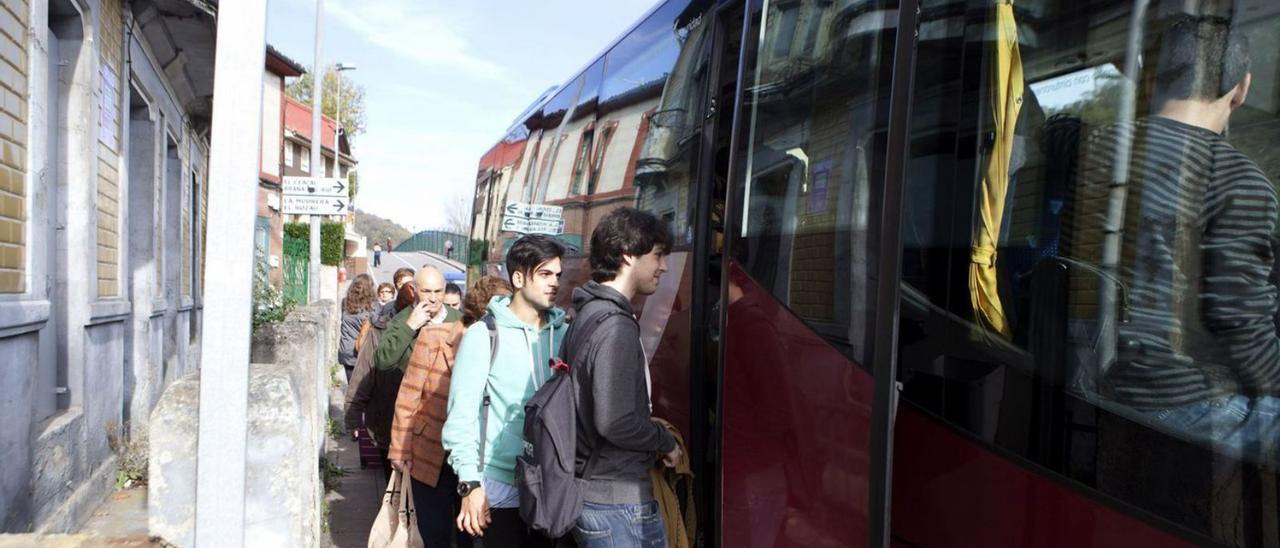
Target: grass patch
pixel 131 455
pixel 334 429
pixel 331 475
pixel 334 380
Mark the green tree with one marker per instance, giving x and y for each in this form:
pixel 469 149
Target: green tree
pixel 353 113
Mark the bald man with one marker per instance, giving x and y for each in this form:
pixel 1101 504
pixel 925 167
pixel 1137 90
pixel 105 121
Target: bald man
pixel 397 341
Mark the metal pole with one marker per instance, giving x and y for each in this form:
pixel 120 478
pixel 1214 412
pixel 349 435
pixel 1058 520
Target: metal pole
pixel 317 159
pixel 233 176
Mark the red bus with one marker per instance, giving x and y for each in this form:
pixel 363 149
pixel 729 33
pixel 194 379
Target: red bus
pixel 885 322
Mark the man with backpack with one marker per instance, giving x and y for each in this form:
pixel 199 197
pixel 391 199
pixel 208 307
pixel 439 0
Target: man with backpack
pixel 502 360
pixel 617 439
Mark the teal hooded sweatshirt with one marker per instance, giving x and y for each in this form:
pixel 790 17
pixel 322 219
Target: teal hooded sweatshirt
pixel 521 368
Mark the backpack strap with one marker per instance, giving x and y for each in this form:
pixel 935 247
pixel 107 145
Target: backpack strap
pixel 490 323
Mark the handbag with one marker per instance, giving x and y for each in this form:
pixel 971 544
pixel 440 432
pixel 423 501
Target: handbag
pixel 397 523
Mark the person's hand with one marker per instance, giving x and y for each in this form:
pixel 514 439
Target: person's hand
pixel 404 466
pixel 419 317
pixel 474 517
pixel 672 458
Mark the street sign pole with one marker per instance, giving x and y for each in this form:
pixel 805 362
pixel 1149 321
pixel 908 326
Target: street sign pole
pixel 228 302
pixel 317 159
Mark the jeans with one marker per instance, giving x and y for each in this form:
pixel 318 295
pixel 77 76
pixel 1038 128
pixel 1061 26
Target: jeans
pixel 507 530
pixel 620 526
pixel 437 507
pixel 1236 425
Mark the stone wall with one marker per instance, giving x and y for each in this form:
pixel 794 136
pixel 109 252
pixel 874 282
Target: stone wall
pixel 288 410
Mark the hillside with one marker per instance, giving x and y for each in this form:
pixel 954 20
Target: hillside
pixel 377 229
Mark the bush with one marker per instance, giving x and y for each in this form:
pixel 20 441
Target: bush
pixel 333 240
pixel 479 252
pixel 269 304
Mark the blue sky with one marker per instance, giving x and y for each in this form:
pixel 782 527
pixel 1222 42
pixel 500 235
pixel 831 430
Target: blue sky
pixel 443 80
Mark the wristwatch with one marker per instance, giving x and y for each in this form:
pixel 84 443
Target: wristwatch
pixel 466 487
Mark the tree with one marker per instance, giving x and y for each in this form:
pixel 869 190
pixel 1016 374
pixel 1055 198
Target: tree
pixel 457 215
pixel 353 115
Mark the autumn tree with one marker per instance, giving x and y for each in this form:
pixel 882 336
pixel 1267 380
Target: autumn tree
pixel 335 82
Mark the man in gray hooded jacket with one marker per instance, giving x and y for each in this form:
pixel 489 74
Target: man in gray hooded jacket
pixel 618 441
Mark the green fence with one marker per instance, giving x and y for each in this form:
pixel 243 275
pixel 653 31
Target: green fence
pixel 297 268
pixel 433 241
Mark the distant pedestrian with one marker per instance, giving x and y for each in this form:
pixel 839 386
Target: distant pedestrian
pixel 448 249
pixel 386 293
pixel 388 244
pixel 357 306
pixel 490 387
pixel 401 277
pixel 420 412
pixel 377 255
pixel 617 436
pixel 400 346
pixel 453 296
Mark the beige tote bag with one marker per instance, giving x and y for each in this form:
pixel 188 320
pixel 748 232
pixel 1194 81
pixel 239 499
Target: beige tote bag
pixel 397 523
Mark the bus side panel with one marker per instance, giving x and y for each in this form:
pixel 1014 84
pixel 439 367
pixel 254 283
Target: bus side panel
pixel 949 491
pixel 796 430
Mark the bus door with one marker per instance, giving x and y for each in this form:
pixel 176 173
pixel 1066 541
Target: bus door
pixel 681 66
pixel 810 273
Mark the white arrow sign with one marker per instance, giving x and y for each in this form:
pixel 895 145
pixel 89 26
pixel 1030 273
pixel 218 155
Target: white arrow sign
pixel 525 225
pixel 534 211
pixel 314 186
pixel 314 205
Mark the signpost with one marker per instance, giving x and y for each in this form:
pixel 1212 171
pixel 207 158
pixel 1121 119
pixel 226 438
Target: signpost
pixel 314 196
pixel 533 218
pixel 314 205
pixel 533 226
pixel 314 186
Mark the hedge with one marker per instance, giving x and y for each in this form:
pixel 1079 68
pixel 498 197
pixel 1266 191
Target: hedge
pixel 333 239
pixel 479 252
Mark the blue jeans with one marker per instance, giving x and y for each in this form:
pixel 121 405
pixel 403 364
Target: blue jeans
pixel 620 526
pixel 1236 425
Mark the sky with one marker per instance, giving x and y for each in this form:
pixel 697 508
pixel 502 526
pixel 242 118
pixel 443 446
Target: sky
pixel 443 81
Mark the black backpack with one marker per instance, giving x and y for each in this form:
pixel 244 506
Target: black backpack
pixel 551 495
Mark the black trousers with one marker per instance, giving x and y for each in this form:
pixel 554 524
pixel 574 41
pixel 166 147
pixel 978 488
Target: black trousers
pixel 437 507
pixel 507 530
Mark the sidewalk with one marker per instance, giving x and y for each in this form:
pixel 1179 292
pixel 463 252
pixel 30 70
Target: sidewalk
pixel 353 507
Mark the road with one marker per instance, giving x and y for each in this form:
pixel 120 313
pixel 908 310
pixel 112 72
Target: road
pixel 410 259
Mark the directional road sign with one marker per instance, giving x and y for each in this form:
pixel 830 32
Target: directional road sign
pixel 314 186
pixel 533 211
pixel 314 205
pixel 525 225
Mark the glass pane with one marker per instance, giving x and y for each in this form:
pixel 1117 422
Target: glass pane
pixel 1089 252
pixel 817 121
pixel 797 392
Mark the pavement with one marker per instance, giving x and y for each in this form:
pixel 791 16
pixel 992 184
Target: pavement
pixel 391 261
pixel 353 507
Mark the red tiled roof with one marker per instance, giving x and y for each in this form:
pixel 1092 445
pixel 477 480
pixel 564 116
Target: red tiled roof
pixel 503 154
pixel 297 118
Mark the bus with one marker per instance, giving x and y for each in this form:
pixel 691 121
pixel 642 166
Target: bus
pixel 889 317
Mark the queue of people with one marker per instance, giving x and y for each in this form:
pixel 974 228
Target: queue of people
pixel 440 380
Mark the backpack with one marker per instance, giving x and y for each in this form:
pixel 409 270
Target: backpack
pixel 551 495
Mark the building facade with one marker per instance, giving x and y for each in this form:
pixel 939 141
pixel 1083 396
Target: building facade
pixel 105 111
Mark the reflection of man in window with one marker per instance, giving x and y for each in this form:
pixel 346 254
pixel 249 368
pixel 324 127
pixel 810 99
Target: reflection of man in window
pixel 1199 351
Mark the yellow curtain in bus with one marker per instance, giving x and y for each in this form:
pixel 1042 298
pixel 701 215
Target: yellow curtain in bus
pixel 1006 102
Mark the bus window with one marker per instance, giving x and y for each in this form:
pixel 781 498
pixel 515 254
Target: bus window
pixel 816 120
pixel 802 244
pixel 1090 255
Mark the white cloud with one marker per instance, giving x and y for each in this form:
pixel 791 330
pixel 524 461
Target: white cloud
pixel 405 28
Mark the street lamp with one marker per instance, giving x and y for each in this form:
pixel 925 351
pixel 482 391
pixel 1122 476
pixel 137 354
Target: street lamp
pixel 337 116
